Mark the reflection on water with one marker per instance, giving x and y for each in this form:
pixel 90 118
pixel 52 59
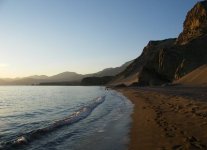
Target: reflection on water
pixel 61 117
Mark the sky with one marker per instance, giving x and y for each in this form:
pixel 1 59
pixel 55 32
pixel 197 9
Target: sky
pixel 52 36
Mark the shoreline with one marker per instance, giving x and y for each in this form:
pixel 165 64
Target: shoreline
pixel 167 118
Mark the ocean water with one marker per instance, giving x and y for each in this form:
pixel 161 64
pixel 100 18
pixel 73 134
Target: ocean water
pixel 63 118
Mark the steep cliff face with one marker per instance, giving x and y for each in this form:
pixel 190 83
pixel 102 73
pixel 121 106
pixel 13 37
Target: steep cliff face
pixel 186 54
pixel 172 63
pixel 195 24
pixel 131 73
pixel 168 60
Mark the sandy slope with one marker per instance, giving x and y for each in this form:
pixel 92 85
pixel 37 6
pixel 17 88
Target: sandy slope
pixel 196 77
pixel 172 118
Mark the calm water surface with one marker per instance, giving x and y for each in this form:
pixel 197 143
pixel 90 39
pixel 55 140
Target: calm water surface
pixel 63 117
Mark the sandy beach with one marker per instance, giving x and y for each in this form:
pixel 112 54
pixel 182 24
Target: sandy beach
pixel 168 118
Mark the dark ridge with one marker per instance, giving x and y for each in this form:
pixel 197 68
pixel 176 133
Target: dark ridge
pixel 96 80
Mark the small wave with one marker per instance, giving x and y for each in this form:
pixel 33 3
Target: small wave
pixel 75 117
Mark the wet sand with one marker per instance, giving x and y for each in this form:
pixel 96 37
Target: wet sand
pixel 168 118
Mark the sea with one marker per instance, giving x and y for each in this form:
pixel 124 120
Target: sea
pixel 63 118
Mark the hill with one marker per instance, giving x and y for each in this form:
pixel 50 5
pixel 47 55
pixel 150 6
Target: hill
pixel 168 60
pixel 111 71
pixel 64 78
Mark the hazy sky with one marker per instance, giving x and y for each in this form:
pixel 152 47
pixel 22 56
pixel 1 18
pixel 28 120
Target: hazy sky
pixel 84 36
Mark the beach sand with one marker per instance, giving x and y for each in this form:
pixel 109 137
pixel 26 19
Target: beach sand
pixel 168 118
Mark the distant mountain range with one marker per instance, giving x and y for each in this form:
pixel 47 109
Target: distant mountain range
pixel 180 60
pixel 64 77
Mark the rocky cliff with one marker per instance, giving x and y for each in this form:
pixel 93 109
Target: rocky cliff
pixel 169 64
pixel 168 60
pixel 133 71
pixel 195 24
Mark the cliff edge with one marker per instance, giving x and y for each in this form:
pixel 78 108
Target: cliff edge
pixel 168 60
